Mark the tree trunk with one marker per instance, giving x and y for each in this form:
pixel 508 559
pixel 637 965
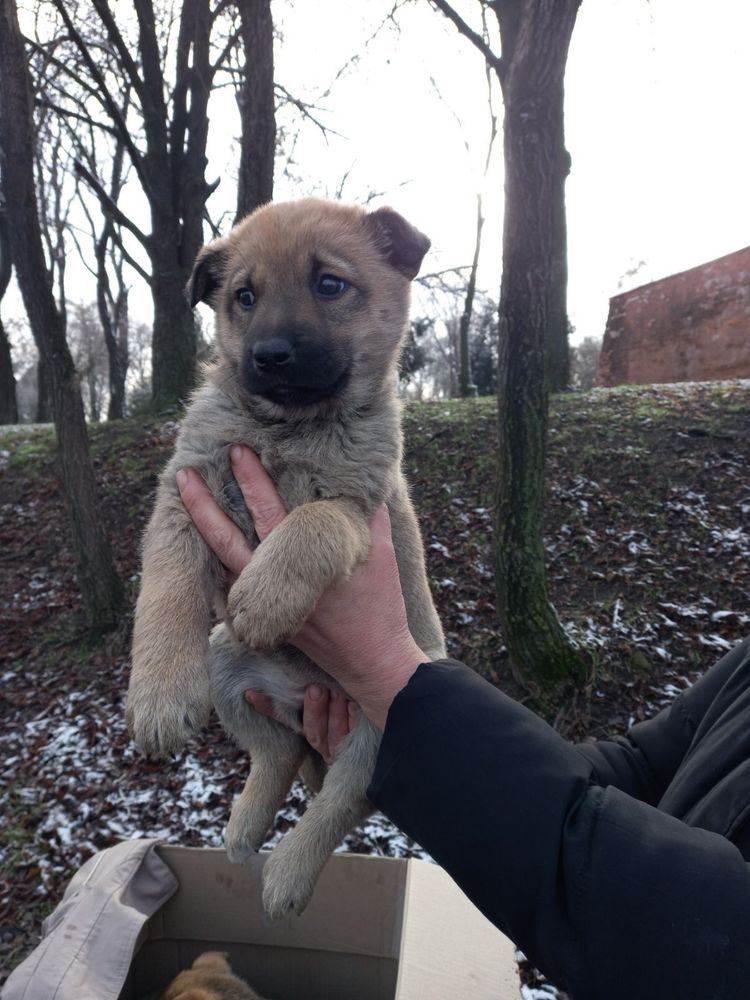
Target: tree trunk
pixel 542 655
pixel 174 340
pixel 100 586
pixel 558 348
pixel 43 412
pixel 175 163
pixel 466 383
pixel 257 109
pixel 117 353
pixel 8 399
pixel 113 316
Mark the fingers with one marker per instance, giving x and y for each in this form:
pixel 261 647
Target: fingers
pixel 263 704
pixel 257 489
pixel 219 532
pixel 260 702
pixel 338 724
pixel 327 717
pixel 326 720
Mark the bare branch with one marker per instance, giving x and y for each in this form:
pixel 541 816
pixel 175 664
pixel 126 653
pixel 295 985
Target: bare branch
pixel 109 207
pixel 468 32
pixel 52 60
pixel 67 113
pixel 226 51
pixel 219 9
pixel 113 33
pixel 105 96
pixel 73 230
pixel 306 112
pixel 117 238
pixel 355 59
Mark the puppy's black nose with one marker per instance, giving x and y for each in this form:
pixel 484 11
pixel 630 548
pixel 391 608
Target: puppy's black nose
pixel 273 353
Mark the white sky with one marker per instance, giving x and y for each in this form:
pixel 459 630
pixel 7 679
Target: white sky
pixel 656 121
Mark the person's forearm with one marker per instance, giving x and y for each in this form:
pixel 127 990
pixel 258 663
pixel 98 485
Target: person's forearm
pixel 609 896
pixel 644 763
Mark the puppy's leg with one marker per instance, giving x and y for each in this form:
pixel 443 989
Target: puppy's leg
pixel 424 623
pixel 314 545
pixel 275 757
pixel 313 771
pixel 276 751
pixel 290 874
pixel 168 696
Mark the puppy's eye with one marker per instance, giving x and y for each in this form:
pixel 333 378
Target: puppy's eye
pixel 246 298
pixel 328 286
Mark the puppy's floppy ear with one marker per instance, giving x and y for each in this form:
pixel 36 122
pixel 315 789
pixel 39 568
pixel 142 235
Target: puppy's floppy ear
pixel 401 244
pixel 208 273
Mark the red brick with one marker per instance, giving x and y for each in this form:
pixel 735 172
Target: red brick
pixel 692 326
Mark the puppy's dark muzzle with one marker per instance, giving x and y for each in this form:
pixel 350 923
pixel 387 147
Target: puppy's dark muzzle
pixel 294 371
pixel 273 356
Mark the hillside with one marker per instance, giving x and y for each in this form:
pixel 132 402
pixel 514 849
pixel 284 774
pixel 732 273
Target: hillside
pixel 648 539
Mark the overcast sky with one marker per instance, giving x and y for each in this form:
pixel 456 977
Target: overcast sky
pixel 656 122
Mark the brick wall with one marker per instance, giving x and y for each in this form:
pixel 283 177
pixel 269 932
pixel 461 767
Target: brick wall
pixel 692 326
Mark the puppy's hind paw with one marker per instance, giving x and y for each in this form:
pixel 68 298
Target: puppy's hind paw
pixel 286 887
pixel 244 836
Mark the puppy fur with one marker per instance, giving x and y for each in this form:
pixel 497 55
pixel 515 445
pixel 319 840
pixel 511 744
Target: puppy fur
pixel 209 978
pixel 311 300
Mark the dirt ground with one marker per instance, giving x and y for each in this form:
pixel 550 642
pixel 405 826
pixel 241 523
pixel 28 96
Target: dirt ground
pixel 648 541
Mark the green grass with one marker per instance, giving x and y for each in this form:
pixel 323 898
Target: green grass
pixel 28 446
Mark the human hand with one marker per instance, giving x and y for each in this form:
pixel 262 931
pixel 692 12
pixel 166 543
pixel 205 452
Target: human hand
pixel 327 717
pixel 358 631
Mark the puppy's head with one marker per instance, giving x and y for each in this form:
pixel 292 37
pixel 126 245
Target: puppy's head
pixel 311 298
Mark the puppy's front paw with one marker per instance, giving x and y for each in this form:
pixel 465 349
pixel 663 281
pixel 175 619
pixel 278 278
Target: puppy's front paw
pixel 288 882
pixel 161 717
pixel 264 612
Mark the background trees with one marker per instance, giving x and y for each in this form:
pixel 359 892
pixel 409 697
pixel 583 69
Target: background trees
pixel 160 119
pixel 533 353
pixel 98 580
pixel 8 401
pixel 123 95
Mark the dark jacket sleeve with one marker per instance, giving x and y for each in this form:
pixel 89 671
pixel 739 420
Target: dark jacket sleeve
pixel 644 762
pixel 607 895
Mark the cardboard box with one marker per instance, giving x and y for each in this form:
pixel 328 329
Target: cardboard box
pixel 376 928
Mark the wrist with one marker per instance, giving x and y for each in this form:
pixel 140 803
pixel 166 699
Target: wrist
pixel 379 684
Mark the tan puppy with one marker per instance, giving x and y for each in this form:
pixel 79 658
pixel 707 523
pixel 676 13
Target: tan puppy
pixel 311 301
pixel 209 978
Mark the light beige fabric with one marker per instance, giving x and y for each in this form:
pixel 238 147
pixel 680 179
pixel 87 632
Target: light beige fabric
pixel 88 941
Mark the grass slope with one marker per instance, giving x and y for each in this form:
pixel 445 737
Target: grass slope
pixel 648 540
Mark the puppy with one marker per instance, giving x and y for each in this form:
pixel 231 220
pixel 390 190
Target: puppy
pixel 311 300
pixel 210 977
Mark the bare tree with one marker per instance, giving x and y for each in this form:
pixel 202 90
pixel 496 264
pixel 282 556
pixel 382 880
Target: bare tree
pixel 257 103
pixel 584 362
pixel 8 398
pixel 535 36
pixel 111 292
pixel 467 384
pixel 89 356
pixel 117 81
pixel 100 586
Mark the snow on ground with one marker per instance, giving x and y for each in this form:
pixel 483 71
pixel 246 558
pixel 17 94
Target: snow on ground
pixel 91 788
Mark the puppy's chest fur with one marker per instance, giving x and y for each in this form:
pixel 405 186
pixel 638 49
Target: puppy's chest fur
pixel 354 457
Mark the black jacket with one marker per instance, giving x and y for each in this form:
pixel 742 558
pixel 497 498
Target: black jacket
pixel 616 867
